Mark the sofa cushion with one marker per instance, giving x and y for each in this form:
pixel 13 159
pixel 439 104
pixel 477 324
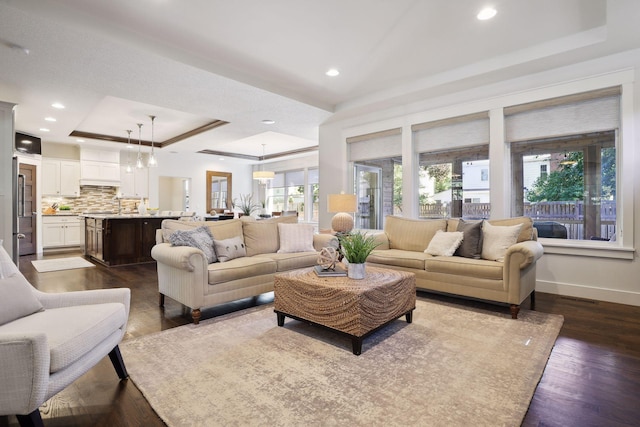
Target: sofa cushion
pixel 471 246
pixel 398 258
pixel 229 249
pixel 472 268
pixel 444 243
pixel 240 268
pixel 200 238
pixel 497 239
pixel 295 238
pixel 292 261
pixel 169 226
pixel 18 299
pixel 261 237
pixel 72 331
pixel 411 234
pixel 526 232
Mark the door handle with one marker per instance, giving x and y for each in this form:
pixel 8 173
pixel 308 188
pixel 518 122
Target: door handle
pixel 20 236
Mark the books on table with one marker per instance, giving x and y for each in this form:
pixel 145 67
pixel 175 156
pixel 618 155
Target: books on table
pixel 338 271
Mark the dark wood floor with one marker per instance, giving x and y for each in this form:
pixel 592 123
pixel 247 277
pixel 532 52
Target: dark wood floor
pixel 592 378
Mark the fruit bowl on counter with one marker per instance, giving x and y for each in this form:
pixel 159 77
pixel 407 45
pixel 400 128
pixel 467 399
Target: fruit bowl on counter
pixel 152 211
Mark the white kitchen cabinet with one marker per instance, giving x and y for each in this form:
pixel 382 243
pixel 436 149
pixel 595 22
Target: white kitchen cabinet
pixel 134 185
pixel 60 178
pixel 61 231
pixel 99 167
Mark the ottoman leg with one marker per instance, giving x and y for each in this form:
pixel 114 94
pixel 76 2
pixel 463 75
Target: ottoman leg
pixel 356 342
pixel 280 319
pixel 409 316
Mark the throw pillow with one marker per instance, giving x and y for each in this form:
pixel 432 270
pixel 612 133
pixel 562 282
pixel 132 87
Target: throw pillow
pixel 444 243
pixel 471 246
pixel 199 238
pixel 229 249
pixel 497 239
pixel 295 238
pixel 17 300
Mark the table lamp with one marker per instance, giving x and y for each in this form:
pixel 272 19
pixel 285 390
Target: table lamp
pixel 340 204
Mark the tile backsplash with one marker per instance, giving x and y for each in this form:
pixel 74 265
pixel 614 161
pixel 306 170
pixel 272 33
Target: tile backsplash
pixel 93 198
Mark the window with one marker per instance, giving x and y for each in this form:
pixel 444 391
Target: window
pixel 452 184
pixel 564 164
pixel 575 198
pixel 454 167
pixel 289 191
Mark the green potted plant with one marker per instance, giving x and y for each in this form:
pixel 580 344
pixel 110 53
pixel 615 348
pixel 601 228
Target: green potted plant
pixel 246 204
pixel 356 247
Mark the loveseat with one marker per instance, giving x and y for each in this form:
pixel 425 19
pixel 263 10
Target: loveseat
pixel 494 261
pixel 238 261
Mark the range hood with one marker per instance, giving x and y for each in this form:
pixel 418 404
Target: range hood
pixel 99 168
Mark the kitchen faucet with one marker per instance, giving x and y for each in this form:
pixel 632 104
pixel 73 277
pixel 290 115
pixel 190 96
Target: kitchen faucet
pixel 119 204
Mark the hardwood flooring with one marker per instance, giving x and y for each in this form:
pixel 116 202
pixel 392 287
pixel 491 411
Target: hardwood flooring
pixel 592 378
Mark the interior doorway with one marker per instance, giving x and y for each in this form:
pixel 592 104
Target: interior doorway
pixel 174 194
pixel 27 214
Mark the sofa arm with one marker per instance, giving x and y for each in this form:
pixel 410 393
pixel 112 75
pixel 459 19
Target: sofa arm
pixel 97 296
pixel 523 254
pixel 324 241
pixel 24 373
pixel 381 238
pixel 181 257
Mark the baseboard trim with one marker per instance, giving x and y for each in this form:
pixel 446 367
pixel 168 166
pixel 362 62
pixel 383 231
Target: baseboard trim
pixel 589 292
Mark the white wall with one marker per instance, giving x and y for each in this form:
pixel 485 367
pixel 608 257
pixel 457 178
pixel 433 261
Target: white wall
pixel 195 166
pixel 6 183
pixel 585 269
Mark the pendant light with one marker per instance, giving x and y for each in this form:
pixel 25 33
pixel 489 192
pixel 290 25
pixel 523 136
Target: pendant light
pixel 139 164
pixel 263 176
pixel 152 163
pixel 129 169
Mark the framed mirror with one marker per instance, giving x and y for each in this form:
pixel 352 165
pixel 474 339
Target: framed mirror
pixel 218 191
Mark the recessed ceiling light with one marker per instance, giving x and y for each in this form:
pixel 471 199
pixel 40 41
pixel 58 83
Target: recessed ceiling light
pixel 79 140
pixel 57 105
pixel 332 72
pixel 221 159
pixel 50 119
pixel 268 121
pixel 44 130
pixel 487 13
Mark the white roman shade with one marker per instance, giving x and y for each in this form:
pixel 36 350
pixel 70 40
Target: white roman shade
pixel 577 114
pixel 456 132
pixel 376 145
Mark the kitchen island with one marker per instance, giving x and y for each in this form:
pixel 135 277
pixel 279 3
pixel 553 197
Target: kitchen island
pixel 113 239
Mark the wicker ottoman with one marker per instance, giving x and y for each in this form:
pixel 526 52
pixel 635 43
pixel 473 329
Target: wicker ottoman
pixel 356 308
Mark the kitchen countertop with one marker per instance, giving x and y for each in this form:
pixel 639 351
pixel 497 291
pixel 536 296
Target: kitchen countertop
pixel 126 216
pixel 62 214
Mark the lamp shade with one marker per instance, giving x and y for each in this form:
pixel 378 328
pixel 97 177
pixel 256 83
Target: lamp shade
pixel 263 175
pixel 341 203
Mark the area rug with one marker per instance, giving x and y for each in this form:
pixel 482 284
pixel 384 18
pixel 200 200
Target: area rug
pixel 453 366
pixel 55 264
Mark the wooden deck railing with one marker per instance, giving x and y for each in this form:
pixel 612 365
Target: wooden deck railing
pixel 569 214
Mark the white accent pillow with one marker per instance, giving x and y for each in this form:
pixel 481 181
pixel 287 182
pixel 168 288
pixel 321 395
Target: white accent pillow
pixel 497 239
pixel 229 249
pixel 444 243
pixel 295 238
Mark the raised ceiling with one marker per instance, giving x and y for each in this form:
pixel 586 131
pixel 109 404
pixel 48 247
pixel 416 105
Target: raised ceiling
pixel 244 61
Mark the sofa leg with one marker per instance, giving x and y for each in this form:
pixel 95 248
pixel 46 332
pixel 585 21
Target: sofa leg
pixel 515 309
pixel 533 299
pixel 118 363
pixel 31 420
pixel 161 300
pixel 195 315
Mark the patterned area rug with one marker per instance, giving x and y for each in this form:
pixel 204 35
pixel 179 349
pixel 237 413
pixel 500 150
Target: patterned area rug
pixel 453 366
pixel 55 264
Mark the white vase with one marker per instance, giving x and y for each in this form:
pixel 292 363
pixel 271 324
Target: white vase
pixel 355 271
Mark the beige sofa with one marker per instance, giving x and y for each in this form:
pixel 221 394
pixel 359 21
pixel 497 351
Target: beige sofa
pixel 510 279
pixel 185 275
